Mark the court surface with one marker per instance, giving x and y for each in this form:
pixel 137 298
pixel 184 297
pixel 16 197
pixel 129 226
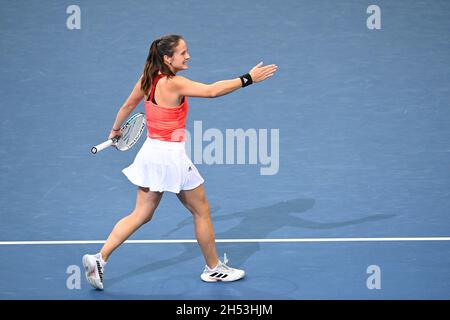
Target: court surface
pixel 358 200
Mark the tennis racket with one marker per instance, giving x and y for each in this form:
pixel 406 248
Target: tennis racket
pixel 131 132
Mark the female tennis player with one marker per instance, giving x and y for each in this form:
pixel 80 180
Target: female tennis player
pixel 162 164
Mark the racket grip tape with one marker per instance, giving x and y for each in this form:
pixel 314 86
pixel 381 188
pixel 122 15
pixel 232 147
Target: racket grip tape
pixel 104 145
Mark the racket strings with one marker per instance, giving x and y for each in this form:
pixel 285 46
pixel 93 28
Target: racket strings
pixel 131 132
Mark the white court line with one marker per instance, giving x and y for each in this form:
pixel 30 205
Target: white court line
pixel 392 239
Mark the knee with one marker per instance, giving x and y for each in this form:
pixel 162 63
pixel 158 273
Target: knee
pixel 202 208
pixel 201 205
pixel 147 219
pixel 142 216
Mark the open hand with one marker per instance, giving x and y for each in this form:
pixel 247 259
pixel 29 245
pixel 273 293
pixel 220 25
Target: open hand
pixel 260 73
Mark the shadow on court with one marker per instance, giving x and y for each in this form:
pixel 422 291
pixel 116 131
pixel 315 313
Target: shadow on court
pixel 265 290
pixel 263 221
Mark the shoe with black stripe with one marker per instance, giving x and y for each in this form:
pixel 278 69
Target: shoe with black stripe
pixel 94 270
pixel 222 272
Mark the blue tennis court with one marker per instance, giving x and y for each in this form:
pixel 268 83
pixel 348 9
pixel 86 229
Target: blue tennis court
pixel 343 188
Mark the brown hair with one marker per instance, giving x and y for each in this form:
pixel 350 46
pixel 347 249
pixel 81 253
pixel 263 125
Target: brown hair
pixel 155 60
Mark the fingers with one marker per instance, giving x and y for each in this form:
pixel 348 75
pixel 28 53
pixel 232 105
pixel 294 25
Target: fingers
pixel 116 135
pixel 269 70
pixel 260 73
pixel 258 65
pixel 266 76
pixel 269 67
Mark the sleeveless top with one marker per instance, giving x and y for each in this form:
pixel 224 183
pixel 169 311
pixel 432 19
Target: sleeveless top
pixel 167 124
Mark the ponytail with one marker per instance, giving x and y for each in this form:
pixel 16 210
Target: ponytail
pixel 155 60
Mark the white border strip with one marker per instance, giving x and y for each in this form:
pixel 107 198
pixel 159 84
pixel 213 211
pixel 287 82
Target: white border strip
pixel 7 243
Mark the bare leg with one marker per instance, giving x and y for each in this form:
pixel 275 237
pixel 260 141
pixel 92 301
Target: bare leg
pixel 195 201
pixel 146 203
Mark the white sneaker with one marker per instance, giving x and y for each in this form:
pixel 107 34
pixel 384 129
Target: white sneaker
pixel 222 272
pixel 93 269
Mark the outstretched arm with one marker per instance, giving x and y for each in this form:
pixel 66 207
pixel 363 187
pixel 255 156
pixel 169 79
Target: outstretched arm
pixel 186 87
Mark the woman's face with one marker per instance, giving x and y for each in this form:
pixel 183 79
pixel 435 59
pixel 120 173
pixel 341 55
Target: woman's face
pixel 180 57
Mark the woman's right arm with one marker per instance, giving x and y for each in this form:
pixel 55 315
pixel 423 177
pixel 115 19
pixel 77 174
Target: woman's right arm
pixel 125 110
pixel 189 88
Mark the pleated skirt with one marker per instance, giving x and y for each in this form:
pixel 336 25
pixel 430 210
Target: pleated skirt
pixel 163 166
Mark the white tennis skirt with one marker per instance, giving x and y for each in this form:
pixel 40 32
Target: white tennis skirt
pixel 163 166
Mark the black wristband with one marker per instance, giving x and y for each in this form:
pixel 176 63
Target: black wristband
pixel 246 80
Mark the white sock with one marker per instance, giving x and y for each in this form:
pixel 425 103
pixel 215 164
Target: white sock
pixel 211 269
pixel 99 256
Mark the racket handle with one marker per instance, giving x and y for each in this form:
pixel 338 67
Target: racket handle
pixel 104 145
